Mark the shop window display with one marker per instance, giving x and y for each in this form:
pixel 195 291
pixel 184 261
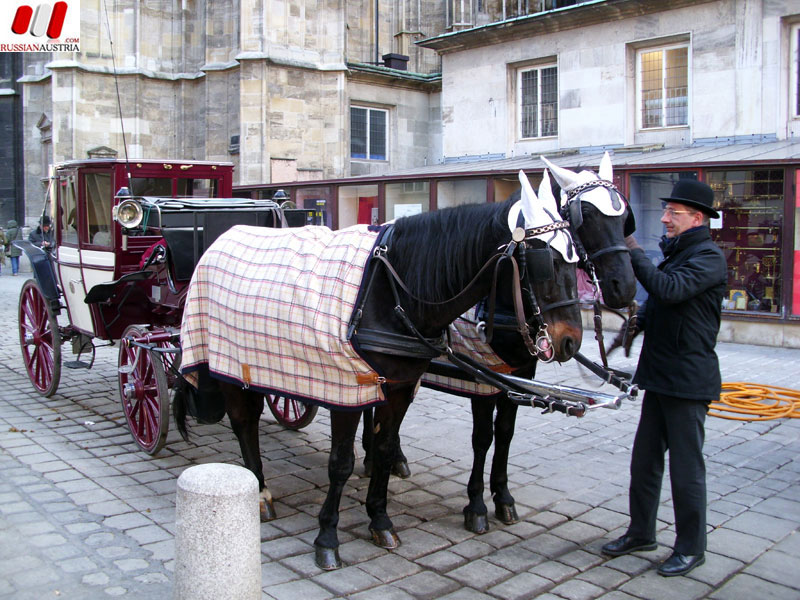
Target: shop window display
pixel 751 204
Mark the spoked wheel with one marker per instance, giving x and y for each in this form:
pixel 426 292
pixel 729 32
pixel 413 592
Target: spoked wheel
pixel 144 392
pixel 292 414
pixel 39 339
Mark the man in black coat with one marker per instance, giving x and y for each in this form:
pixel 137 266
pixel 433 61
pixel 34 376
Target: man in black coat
pixel 679 371
pixel 42 236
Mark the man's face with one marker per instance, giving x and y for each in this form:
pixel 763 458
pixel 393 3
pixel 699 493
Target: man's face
pixel 678 218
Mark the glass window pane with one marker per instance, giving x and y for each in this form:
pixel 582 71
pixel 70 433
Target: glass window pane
pixel 651 76
pixel 461 191
pixel 200 188
pixel 676 83
pixel 358 133
pixel 151 186
pixel 407 198
pixel 549 101
pixel 357 203
pixel 98 209
pixel 68 210
pixel 529 104
pixel 751 204
pixel 377 134
pixel 646 192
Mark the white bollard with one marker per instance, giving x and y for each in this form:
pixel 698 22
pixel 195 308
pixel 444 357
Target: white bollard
pixel 218 536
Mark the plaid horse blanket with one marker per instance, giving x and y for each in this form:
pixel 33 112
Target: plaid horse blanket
pixel 269 309
pixel 464 338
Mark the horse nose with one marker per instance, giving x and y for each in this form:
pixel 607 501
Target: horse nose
pixel 618 294
pixel 569 347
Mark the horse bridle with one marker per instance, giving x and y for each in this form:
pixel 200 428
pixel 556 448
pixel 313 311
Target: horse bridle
pixel 571 212
pixel 522 293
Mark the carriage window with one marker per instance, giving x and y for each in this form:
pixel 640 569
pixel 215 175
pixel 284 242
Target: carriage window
pixel 151 186
pixel 68 210
pixel 98 209
pixel 538 102
pixel 201 188
pixel 663 87
pixel 368 133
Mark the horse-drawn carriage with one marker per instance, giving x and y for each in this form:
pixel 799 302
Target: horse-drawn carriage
pixel 121 267
pixel 126 237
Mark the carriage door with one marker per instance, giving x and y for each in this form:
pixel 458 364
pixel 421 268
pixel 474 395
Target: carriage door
pixel 69 259
pixel 85 251
pixel 96 231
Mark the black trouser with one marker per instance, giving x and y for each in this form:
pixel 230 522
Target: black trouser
pixel 677 425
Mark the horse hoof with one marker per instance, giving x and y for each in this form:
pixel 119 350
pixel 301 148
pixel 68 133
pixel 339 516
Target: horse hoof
pixel 507 513
pixel 476 523
pixel 400 468
pixel 385 538
pixel 266 510
pixel 327 559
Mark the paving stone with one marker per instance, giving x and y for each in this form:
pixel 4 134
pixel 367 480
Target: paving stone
pixel 747 587
pixel 479 574
pixel 762 525
pixel 654 587
pixel 776 567
pixel 575 589
pixel 426 585
pixel 523 585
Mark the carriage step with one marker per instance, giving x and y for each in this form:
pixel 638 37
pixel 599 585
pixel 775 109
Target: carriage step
pixel 77 364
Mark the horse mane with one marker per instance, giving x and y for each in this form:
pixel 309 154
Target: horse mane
pixel 439 252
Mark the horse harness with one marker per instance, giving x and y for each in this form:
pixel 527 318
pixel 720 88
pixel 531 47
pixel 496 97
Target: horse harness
pixel 517 252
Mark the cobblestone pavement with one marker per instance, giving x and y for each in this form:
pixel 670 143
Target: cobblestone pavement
pixel 85 514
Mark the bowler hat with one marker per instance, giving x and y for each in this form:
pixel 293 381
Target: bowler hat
pixel 695 194
pixel 46 220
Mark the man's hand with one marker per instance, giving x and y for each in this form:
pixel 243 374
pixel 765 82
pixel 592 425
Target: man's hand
pixel 631 243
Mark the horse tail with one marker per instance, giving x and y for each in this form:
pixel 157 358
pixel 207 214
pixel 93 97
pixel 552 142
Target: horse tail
pixel 179 401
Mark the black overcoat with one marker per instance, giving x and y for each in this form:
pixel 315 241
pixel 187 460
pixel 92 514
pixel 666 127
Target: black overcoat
pixel 681 317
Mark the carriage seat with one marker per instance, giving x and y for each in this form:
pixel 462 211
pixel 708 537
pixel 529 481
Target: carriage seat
pixel 103 292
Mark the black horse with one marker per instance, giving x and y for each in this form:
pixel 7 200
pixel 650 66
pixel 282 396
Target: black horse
pixel 428 270
pixel 600 219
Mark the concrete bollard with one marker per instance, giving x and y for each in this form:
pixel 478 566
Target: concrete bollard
pixel 218 536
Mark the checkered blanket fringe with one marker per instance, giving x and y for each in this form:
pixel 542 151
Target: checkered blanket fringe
pixel 269 309
pixel 464 338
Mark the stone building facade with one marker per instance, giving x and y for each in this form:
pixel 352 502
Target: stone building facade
pixel 265 84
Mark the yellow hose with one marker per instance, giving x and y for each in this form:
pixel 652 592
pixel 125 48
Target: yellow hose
pixel 756 402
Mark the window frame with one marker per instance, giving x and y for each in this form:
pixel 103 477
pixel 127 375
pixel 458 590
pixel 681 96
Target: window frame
pixel 639 85
pixel 369 110
pixel 794 71
pixel 538 68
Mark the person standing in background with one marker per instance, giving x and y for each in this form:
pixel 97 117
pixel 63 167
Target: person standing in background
pixel 13 234
pixel 2 247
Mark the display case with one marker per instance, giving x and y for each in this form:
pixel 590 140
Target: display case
pixel 749 232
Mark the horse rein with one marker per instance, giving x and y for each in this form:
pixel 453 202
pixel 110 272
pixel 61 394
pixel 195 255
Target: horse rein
pixel 541 347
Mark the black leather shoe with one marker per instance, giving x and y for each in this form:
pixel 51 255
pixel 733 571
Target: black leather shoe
pixel 680 564
pixel 626 545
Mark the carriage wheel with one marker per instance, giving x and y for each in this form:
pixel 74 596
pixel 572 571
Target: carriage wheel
pixel 144 392
pixel 40 339
pixel 290 413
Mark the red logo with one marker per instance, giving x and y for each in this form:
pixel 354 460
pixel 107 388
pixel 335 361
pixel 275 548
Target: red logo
pixel 46 19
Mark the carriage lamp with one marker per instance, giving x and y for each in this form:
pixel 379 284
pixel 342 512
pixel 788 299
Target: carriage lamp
pixel 129 214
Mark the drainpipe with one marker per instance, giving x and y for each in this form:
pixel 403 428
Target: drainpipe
pixel 377 32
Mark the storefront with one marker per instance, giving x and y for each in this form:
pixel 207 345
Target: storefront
pixel 755 188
